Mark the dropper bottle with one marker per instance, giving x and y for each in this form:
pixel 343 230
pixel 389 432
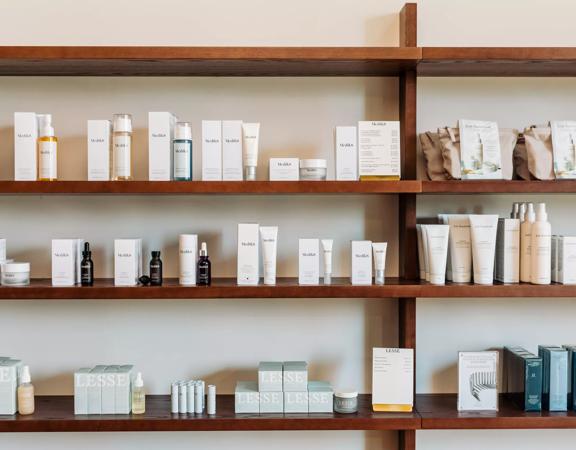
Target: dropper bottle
pixel 47 149
pixel 87 267
pixel 138 395
pixel 204 267
pixel 25 393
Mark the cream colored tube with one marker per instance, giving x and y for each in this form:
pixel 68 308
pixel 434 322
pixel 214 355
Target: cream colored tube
pixel 250 137
pixel 460 249
pixel 483 229
pixel 437 240
pixel 327 256
pixel 425 251
pixel 269 238
pixel 379 251
pixel 420 252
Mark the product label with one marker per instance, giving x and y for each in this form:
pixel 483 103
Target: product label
pixel 480 152
pixel 47 160
pixel 183 159
pixel 379 149
pixel 564 148
pixel 122 156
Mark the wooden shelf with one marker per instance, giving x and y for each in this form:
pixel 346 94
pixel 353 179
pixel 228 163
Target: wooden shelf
pixel 496 290
pixel 57 414
pixel 438 412
pixel 209 187
pixel 499 187
pixel 498 61
pixel 207 61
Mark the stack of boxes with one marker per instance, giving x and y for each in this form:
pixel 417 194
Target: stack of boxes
pixel 283 388
pixel 9 372
pixel 103 390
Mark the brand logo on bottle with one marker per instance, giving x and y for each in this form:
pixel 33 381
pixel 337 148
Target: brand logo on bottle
pixel 121 145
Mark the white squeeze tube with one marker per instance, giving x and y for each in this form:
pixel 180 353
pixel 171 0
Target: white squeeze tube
pixel 250 137
pixel 327 256
pixel 425 252
pixel 420 253
pixel 379 251
pixel 460 248
pixel 269 238
pixel 437 239
pixel 483 229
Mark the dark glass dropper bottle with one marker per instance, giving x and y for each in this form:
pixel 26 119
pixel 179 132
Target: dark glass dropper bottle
pixel 155 269
pixel 204 268
pixel 87 267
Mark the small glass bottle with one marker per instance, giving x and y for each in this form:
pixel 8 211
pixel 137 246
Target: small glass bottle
pixel 87 267
pixel 47 149
pixel 122 147
pixel 182 149
pixel 155 269
pixel 25 393
pixel 138 395
pixel 204 268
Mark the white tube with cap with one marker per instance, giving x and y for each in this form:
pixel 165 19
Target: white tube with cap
pixel 211 400
pixel 250 136
pixel 379 251
pixel 269 239
pixel 437 240
pixel 327 257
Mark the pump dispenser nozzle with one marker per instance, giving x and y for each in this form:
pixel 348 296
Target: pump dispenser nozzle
pixel 541 215
pixel 203 249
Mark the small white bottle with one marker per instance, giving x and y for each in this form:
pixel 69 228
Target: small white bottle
pixel 525 244
pixel 541 248
pixel 25 393
pixel 138 395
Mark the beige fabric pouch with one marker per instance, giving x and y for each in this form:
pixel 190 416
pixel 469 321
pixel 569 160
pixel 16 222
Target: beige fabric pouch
pixel 539 152
pixel 432 151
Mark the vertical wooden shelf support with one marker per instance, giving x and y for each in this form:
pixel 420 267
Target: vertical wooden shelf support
pixel 408 251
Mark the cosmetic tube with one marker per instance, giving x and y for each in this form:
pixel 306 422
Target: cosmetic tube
pixel 250 136
pixel 327 255
pixel 437 240
pixel 190 397
pixel 460 249
pixel 182 398
pixel 421 266
pixel 269 239
pixel 483 229
pixel 174 398
pixel 379 251
pixel 211 409
pixel 425 252
pixel 198 398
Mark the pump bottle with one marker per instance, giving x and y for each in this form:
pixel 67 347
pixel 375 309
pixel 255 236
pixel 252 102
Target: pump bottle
pixel 204 268
pixel 138 395
pixel 25 393
pixel 525 244
pixel 541 251
pixel 47 149
pixel 182 149
pixel 122 147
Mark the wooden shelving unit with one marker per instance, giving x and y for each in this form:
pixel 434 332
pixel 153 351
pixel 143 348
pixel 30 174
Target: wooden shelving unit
pixel 498 187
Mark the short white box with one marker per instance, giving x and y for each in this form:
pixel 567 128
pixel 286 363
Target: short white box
pixel 95 379
pixel 284 169
pixel 346 153
pixel 271 402
pixel 270 376
pixel 81 391
pixel 392 379
pixel 246 398
pixel 108 390
pixel 508 251
pixel 477 381
pixel 99 150
pixel 295 376
pixel 211 150
pixel 554 257
pixel 296 402
pixel 127 261
pixel 361 262
pixel 567 259
pixel 379 150
pixel 64 253
pixel 308 261
pixel 160 137
pixel 232 150
pixel 123 403
pixel 248 264
pixel 320 397
pixel 25 142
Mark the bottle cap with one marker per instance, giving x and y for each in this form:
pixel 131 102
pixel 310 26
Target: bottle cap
pixel 45 125
pixel 530 216
pixel 515 211
pixel 139 382
pixel 155 254
pixel 86 252
pixel 25 375
pixel 183 131
pixel 327 278
pixel 346 393
pixel 522 213
pixel 250 173
pixel 144 279
pixel 203 249
pixel 122 123
pixel 541 215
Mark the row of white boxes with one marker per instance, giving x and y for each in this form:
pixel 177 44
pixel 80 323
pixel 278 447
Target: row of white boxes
pixel 103 390
pixel 283 388
pixel 9 376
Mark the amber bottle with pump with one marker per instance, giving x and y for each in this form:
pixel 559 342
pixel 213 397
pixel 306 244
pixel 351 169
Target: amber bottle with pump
pixel 204 268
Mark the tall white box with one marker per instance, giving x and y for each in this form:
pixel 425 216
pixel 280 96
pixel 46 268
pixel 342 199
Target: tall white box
pixel 508 251
pixel 64 253
pixel 361 262
pixel 188 258
pixel 25 142
pixel 248 264
pixel 232 150
pixel 308 261
pixel 211 150
pixel 346 154
pixel 99 150
pixel 160 137
pixel 566 259
pixel 379 150
pixel 392 379
pixel 127 261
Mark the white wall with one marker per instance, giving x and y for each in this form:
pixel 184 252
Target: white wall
pixel 223 340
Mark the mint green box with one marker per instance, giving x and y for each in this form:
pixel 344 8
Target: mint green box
pixel 94 389
pixel 81 391
pixel 122 390
pixel 320 397
pixel 271 402
pixel 296 402
pixel 9 372
pixel 246 398
pixel 295 377
pixel 270 376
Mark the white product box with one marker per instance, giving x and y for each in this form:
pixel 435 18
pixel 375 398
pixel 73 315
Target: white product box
pixel 108 390
pixel 188 258
pixel 308 261
pixel 9 371
pixel 2 249
pixel 296 402
pixel 270 376
pixel 346 153
pixel 320 397
pixel 79 250
pixel 99 150
pixel 211 150
pixel 480 152
pixel 95 378
pixel 127 261
pixel 25 142
pixel 295 376
pixel 361 272
pixel 81 391
pixel 271 402
pixel 566 259
pixel 477 385
pixel 284 169
pixel 379 150
pixel 123 389
pixel 392 379
pixel 160 137
pixel 508 251
pixel 64 252
pixel 248 265
pixel 232 150
pixel 554 258
pixel 246 398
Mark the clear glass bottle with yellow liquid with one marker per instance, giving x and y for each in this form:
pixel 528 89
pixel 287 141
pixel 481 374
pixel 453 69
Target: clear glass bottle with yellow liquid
pixel 47 149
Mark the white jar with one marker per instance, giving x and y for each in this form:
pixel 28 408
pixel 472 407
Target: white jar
pixel 15 274
pixel 313 169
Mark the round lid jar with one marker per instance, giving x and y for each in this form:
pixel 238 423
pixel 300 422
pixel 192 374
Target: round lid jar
pixel 346 401
pixel 313 164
